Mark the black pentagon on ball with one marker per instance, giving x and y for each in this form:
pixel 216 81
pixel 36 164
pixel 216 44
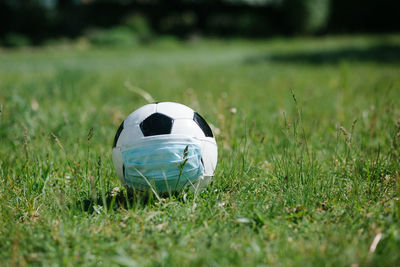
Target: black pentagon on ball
pixel 156 124
pixel 203 125
pixel 121 127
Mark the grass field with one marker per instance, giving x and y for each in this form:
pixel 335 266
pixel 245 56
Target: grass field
pixel 308 132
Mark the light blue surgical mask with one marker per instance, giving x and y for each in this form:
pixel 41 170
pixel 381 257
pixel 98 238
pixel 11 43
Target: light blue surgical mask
pixel 166 162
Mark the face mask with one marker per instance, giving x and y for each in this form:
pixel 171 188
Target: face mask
pixel 167 162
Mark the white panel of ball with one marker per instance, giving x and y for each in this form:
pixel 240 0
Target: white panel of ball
pixel 129 135
pixel 175 110
pixel 188 127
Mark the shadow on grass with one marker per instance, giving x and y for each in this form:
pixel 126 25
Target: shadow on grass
pixel 124 199
pixel 383 53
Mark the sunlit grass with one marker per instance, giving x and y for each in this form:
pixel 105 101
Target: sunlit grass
pixel 308 173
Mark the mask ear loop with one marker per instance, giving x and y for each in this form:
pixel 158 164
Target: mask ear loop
pixel 149 184
pixel 196 187
pixel 166 183
pixel 182 164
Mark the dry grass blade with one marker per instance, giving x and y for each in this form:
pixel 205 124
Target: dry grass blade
pixel 375 243
pixel 149 184
pixel 140 92
pixel 58 141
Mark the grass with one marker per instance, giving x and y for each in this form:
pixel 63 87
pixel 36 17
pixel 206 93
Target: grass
pixel 308 172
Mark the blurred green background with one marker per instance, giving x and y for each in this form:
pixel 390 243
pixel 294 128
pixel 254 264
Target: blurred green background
pixel 128 22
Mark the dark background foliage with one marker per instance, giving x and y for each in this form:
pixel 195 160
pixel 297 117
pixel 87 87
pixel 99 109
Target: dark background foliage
pixel 34 21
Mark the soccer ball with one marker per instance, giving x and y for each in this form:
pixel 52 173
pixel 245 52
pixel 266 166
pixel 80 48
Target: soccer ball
pixel 165 146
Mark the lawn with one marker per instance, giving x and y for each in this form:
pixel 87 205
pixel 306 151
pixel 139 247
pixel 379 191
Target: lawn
pixel 308 131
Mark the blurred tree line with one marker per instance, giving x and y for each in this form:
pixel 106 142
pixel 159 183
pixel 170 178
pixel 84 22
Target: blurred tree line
pixel 34 21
